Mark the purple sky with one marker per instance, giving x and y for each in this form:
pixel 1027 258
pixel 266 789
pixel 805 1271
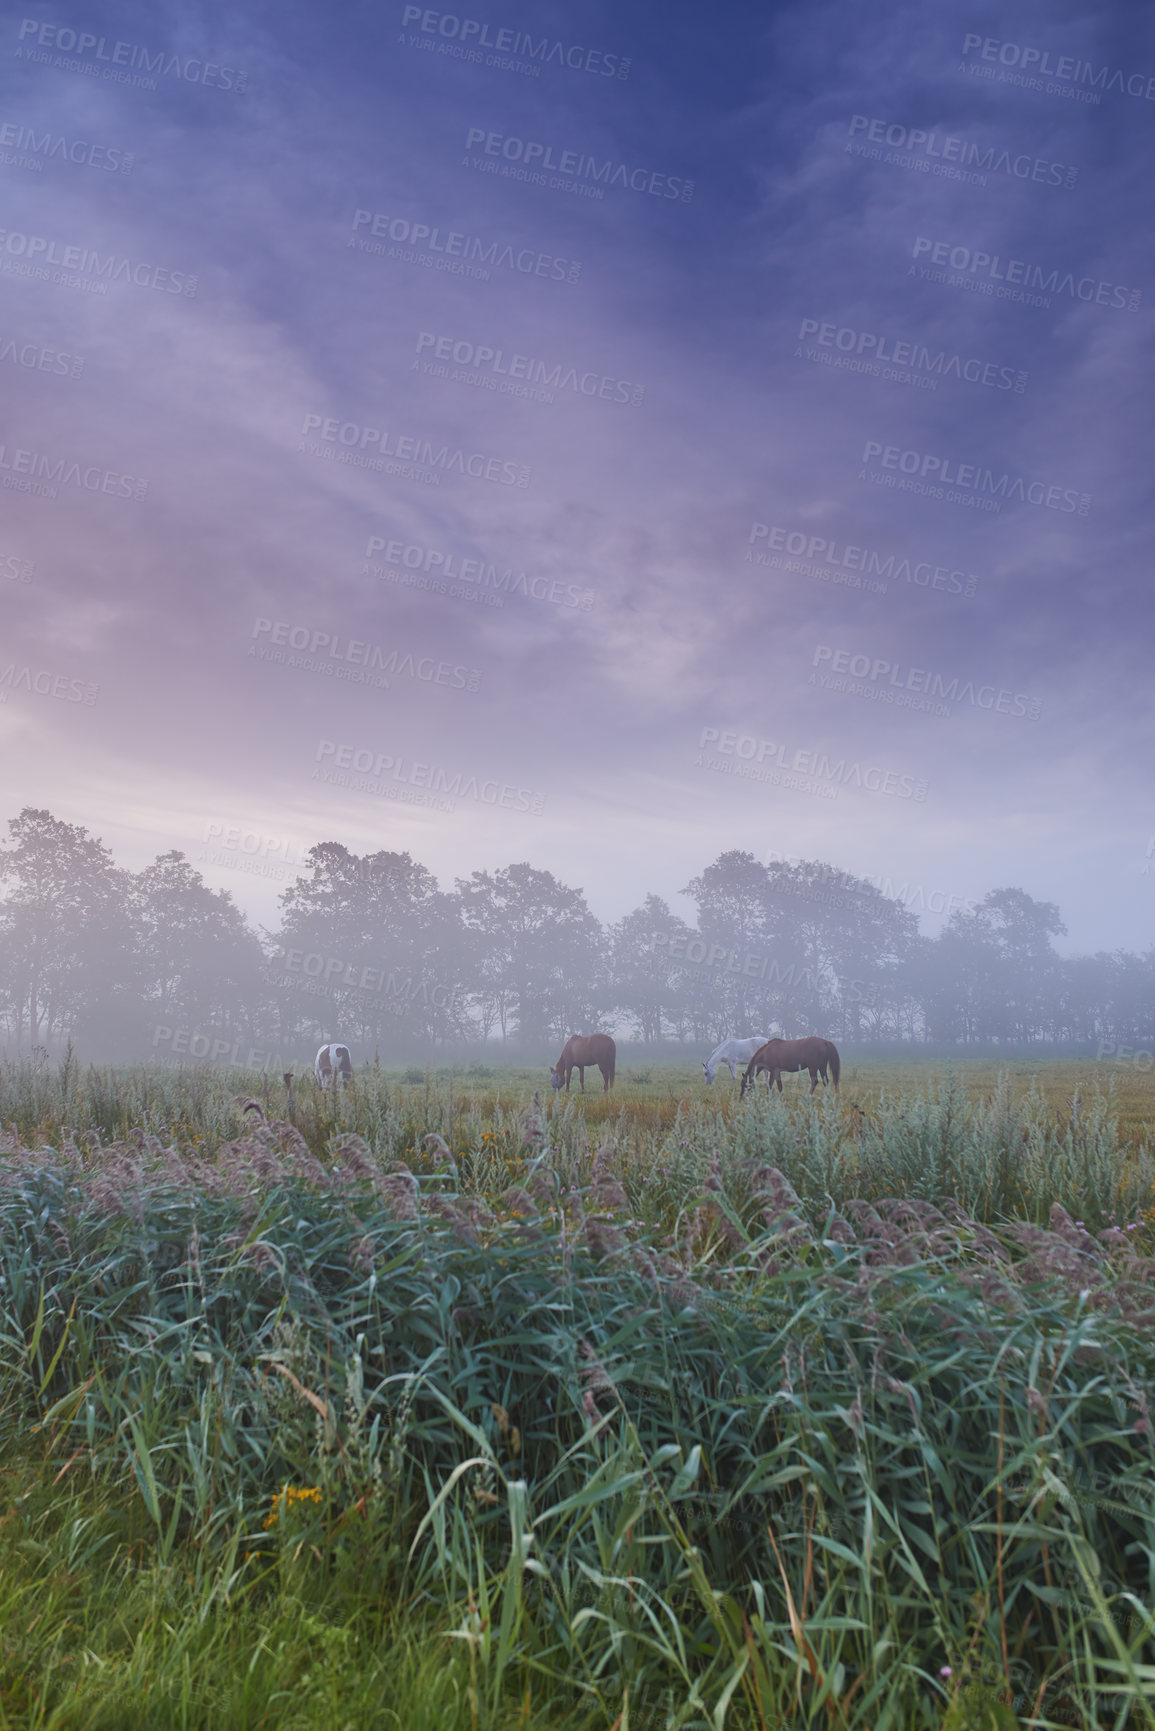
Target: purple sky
pixel 792 494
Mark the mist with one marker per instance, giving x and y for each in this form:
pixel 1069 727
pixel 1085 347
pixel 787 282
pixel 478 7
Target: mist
pixel 371 949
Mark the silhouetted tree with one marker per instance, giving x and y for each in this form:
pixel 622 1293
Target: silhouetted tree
pixel 368 950
pixel 202 967
pixel 644 980
pixel 539 952
pixel 992 973
pixel 66 937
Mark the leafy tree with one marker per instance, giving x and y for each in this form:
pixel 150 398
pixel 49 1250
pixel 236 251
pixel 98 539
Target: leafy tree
pixel 993 971
pixel 369 950
pixel 727 970
pixel 646 981
pixel 847 943
pixel 384 957
pixel 202 966
pixel 65 934
pixel 802 945
pixel 538 954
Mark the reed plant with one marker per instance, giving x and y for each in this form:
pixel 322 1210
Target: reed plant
pixel 789 1416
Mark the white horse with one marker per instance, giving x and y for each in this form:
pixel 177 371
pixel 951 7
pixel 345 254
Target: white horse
pixel 732 1052
pixel 333 1061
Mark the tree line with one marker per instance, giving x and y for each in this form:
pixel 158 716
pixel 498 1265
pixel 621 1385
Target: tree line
pixel 370 949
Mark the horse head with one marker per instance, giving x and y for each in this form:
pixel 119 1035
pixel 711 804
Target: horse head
pixel 555 1077
pixel 707 1072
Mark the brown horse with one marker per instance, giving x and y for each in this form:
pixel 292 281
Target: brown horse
pixel 810 1054
pixel 580 1050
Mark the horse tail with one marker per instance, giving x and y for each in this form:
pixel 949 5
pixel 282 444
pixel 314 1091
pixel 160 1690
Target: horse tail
pixel 834 1065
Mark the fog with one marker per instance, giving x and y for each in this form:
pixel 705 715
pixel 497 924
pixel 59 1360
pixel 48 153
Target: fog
pixel 504 964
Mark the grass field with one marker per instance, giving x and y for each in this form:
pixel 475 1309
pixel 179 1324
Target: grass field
pixel 201 1096
pixel 439 1405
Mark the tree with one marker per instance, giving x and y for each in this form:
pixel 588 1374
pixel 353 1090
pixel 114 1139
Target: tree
pixel 370 950
pixel 202 967
pixel 994 972
pixel 68 943
pixel 538 954
pixel 805 946
pixel 847 943
pixel 728 964
pixel 645 981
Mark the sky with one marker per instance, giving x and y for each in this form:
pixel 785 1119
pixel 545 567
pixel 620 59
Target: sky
pixel 595 435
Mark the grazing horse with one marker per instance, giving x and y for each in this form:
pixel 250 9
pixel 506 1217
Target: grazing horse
pixel 580 1050
pixel 333 1061
pixel 810 1054
pixel 732 1052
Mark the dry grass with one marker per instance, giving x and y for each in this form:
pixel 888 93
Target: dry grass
pixel 653 1105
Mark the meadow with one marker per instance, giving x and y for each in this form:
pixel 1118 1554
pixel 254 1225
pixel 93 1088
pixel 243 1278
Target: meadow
pixel 449 1402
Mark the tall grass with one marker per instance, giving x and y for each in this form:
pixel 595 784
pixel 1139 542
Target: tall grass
pixel 998 1150
pixel 787 1416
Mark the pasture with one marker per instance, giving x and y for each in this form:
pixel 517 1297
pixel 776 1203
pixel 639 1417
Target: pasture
pixel 442 1406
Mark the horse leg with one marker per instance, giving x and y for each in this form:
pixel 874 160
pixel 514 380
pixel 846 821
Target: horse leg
pixel 581 1070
